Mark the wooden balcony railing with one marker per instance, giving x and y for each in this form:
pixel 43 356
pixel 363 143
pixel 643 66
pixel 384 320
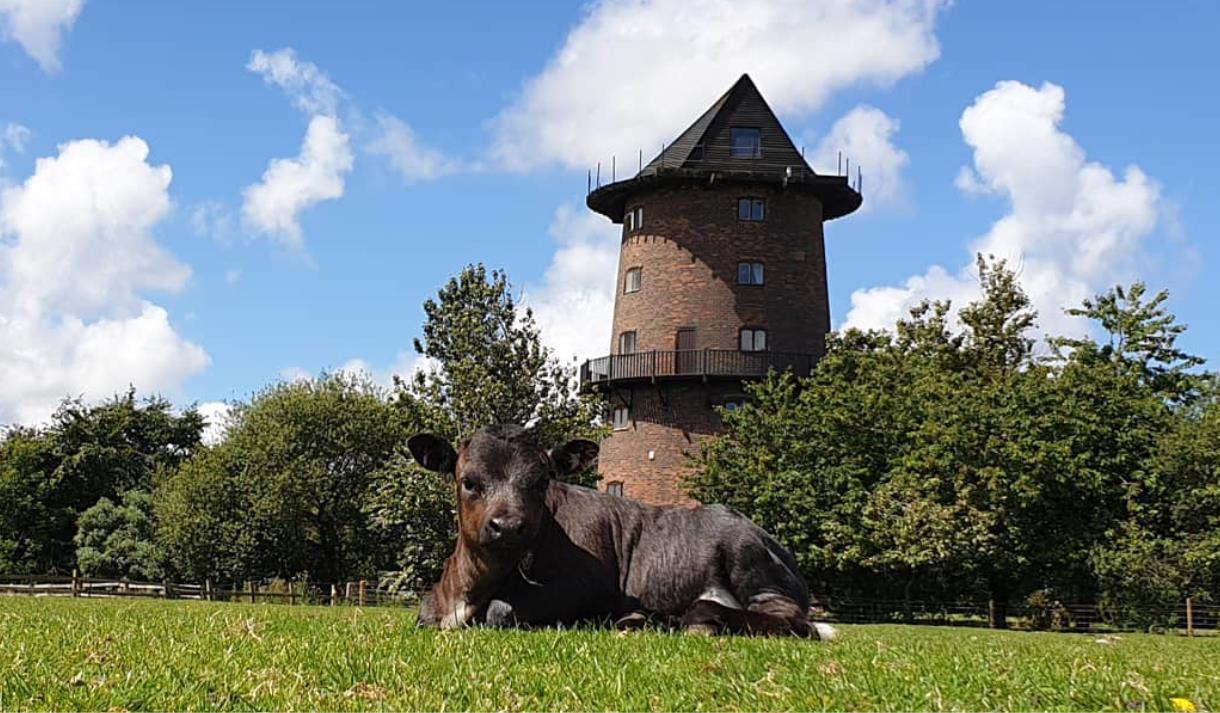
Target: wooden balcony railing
pixel 690 363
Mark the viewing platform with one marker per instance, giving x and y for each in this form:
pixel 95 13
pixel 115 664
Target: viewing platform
pixel 689 364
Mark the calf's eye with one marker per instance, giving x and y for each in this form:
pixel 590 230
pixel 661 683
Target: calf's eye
pixel 470 485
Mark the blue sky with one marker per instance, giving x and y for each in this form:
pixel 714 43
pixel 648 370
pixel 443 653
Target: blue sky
pixel 446 133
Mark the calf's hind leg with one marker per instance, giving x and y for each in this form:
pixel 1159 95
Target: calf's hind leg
pixel 766 617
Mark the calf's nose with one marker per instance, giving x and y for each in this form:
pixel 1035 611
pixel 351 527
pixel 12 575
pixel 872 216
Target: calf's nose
pixel 503 528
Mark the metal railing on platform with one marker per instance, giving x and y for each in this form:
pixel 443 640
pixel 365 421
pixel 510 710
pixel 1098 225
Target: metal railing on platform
pixel 691 363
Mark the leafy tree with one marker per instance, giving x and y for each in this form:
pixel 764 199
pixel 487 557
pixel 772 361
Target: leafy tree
pixel 951 463
pixel 118 540
pixel 49 476
pixel 414 516
pixel 1140 338
pixel 490 367
pixel 288 485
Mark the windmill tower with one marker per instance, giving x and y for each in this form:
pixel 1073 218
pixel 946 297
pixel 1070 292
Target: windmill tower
pixel 721 277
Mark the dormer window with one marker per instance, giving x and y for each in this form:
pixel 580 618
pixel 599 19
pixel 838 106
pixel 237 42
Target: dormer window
pixel 751 209
pixel 745 143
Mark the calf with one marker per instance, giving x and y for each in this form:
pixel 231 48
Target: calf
pixel 533 550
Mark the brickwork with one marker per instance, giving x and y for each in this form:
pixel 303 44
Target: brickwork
pixel 689 250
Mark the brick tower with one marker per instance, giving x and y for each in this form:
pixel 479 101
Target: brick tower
pixel 721 277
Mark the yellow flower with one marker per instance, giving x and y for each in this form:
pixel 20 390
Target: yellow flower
pixel 1183 705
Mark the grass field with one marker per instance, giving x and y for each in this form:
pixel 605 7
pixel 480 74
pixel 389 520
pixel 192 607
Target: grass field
pixel 147 654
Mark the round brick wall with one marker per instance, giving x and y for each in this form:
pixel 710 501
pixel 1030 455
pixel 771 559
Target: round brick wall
pixel 688 250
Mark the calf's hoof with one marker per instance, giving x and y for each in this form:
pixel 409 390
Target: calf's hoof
pixel 500 614
pixel 701 629
pixel 631 622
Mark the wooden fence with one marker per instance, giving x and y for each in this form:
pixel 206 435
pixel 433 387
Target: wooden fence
pixel 358 593
pixel 1189 617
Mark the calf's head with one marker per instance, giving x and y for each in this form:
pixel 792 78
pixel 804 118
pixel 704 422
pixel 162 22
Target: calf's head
pixel 501 476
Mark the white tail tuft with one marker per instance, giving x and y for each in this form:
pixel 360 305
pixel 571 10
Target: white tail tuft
pixel 826 632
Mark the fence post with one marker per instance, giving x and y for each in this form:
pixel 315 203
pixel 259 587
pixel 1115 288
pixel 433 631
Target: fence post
pixel 1190 616
pixel 334 594
pixel 292 593
pixel 207 590
pixel 362 592
pixel 250 586
pixel 347 592
pixel 165 592
pixel 76 583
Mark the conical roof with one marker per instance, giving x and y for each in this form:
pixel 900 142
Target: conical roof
pixel 707 143
pixel 705 154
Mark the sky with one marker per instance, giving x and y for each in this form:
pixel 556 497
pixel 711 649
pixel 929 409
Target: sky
pixel 198 199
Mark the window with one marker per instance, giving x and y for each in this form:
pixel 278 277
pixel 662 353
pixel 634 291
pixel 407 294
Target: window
pixel 734 404
pixel 634 219
pixel 615 488
pixel 751 209
pixel 753 340
pixel 749 273
pixel 626 343
pixel 633 280
pixel 745 143
pixel 622 418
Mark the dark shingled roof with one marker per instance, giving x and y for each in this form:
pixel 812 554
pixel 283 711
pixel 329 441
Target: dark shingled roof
pixel 705 145
pixel 702 153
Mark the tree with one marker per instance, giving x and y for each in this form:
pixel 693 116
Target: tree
pixel 1141 338
pixel 118 540
pixel 50 475
pixel 951 463
pixel 490 367
pixel 414 516
pixel 285 493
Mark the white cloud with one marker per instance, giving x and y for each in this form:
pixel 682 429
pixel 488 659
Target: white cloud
pixel 1073 227
pixel 294 373
pixel 36 25
pixel 15 137
pixel 404 366
pixel 397 142
pixel 633 73
pixel 76 257
pixel 865 135
pixel 213 220
pixel 574 304
pixel 310 89
pixel 216 414
pixel 290 185
pixel 318 173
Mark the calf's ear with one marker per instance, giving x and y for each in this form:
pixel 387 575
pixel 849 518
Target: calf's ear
pixel 573 456
pixel 432 452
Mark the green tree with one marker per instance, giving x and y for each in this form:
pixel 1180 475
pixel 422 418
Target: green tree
pixel 50 475
pixel 1140 338
pixel 489 366
pixel 118 540
pixel 285 493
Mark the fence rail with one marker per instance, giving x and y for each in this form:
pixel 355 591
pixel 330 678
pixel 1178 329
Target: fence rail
pixel 360 593
pixel 690 363
pixel 1190 617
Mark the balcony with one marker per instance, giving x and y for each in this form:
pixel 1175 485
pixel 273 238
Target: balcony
pixel 693 364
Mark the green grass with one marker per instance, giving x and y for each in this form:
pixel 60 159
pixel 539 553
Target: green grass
pixel 146 654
